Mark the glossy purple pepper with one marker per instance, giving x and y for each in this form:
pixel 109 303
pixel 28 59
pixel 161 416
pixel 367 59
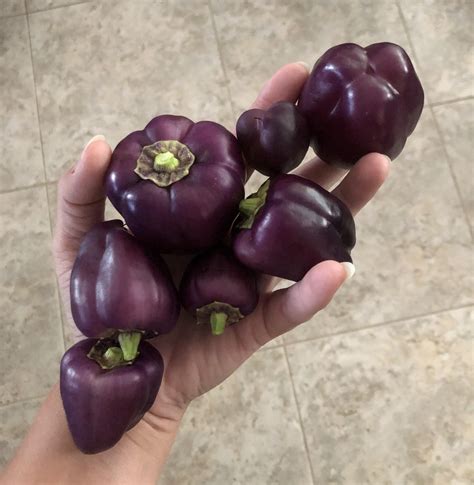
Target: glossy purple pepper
pixel 217 289
pixel 177 183
pixel 360 100
pixel 291 224
pixel 116 285
pixel 101 404
pixel 273 141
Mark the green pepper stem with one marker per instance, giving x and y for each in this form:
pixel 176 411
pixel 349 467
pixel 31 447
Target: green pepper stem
pixel 113 356
pixel 129 342
pixel 165 161
pixel 218 322
pixel 249 206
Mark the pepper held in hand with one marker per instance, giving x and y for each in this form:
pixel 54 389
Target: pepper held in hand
pixel 360 100
pixel 117 287
pixel 177 183
pixel 273 141
pixel 218 290
pixel 290 225
pixel 104 396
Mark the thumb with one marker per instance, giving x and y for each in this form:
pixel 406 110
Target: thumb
pixel 286 308
pixel 81 195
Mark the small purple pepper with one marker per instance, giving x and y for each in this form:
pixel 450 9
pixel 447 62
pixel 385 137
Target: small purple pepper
pixel 117 287
pixel 104 395
pixel 361 100
pixel 273 141
pixel 177 183
pixel 218 290
pixel 291 224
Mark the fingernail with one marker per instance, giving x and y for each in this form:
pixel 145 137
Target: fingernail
pixel 304 64
pixel 92 140
pixel 350 270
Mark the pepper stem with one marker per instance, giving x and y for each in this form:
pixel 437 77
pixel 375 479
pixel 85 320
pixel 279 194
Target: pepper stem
pixel 113 356
pixel 218 322
pixel 250 206
pixel 129 342
pixel 165 161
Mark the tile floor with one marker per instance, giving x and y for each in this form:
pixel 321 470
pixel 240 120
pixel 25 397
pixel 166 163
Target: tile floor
pixel 374 390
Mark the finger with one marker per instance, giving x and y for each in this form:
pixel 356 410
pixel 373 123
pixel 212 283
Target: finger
pixel 285 85
pixel 286 308
pixel 81 195
pixel 320 172
pixel 363 181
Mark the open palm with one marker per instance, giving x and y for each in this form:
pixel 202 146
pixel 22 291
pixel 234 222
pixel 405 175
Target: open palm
pixel 196 360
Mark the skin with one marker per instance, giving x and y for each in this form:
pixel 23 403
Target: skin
pixel 48 454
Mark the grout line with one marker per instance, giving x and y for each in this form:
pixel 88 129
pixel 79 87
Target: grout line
pixel 300 419
pixel 380 324
pixel 272 347
pixel 22 401
pixel 58 296
pixel 13 15
pixel 440 134
pixel 56 7
pixel 221 57
pixel 450 101
pixel 24 187
pixel 451 170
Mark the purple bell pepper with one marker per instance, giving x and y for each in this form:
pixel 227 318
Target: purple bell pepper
pixel 273 141
pixel 360 100
pixel 291 224
pixel 177 183
pixel 117 287
pixel 104 395
pixel 218 290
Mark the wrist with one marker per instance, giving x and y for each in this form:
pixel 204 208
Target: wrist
pixel 48 454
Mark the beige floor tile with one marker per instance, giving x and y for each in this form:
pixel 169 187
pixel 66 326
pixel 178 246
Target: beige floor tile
pixel 37 5
pixel 21 162
pixel 15 419
pixel 246 431
pixel 109 67
pixel 389 405
pixel 32 339
pixel 443 37
pixel 413 253
pixel 11 7
pixel 457 125
pixel 256 39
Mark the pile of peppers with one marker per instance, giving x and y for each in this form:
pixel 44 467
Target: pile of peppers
pixel 179 186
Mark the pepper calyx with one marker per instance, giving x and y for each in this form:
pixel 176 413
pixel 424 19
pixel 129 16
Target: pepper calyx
pixel 164 162
pixel 218 315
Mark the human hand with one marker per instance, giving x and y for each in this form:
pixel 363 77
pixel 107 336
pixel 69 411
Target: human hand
pixel 195 360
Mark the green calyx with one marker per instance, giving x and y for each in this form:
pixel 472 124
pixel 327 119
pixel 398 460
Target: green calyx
pixel 165 161
pixel 250 206
pixel 109 355
pixel 218 322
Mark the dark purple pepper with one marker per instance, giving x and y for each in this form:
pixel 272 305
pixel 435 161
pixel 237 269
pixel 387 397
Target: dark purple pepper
pixel 177 183
pixel 273 141
pixel 361 100
pixel 218 290
pixel 116 285
pixel 101 404
pixel 290 225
